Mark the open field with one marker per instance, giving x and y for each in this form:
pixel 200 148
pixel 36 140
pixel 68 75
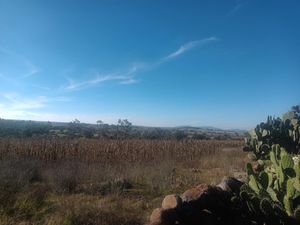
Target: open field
pixel 91 182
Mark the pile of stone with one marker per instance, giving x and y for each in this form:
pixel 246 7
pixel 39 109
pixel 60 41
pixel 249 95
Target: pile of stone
pixel 201 205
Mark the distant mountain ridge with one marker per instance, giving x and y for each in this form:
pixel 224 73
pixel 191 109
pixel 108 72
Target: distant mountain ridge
pixel 124 129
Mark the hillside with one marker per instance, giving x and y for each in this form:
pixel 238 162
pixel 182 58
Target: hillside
pixel 124 129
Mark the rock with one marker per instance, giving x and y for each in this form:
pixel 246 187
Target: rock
pixel 207 197
pixel 224 186
pixel 195 193
pixel 161 216
pixel 230 184
pixel 201 205
pixel 156 215
pixel 171 202
pixel 241 176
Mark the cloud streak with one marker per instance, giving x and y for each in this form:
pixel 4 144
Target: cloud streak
pixel 29 67
pixel 125 78
pixel 238 6
pixel 128 77
pixel 32 70
pixel 14 106
pixel 188 46
pixel 16 102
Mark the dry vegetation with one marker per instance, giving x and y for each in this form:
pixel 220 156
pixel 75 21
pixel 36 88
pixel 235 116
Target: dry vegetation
pixel 91 182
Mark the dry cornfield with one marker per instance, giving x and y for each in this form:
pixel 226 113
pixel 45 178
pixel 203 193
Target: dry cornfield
pixel 91 150
pixel 67 181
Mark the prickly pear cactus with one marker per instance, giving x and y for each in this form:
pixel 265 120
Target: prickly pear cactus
pixel 284 131
pixel 272 193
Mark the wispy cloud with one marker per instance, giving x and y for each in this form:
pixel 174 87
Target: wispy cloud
pixel 129 77
pixel 16 102
pixel 32 70
pixel 44 88
pixel 188 46
pixel 237 7
pixel 129 81
pixel 15 106
pixel 123 78
pixel 73 85
pixel 20 114
pixel 26 64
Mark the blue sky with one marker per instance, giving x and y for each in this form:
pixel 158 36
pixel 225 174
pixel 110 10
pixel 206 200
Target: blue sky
pixel 227 64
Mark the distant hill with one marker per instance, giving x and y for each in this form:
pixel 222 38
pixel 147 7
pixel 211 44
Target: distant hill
pixel 22 128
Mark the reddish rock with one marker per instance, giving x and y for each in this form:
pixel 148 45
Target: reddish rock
pixel 201 205
pixel 156 215
pixel 207 197
pixel 171 202
pixel 195 193
pixel 161 216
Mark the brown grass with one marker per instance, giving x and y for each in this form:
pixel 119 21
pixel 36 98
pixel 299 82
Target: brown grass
pixel 107 151
pixel 91 182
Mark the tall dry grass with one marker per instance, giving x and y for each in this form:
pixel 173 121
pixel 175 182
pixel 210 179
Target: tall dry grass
pixel 86 181
pixel 106 150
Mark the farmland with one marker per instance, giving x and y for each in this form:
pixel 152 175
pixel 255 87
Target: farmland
pixel 104 181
